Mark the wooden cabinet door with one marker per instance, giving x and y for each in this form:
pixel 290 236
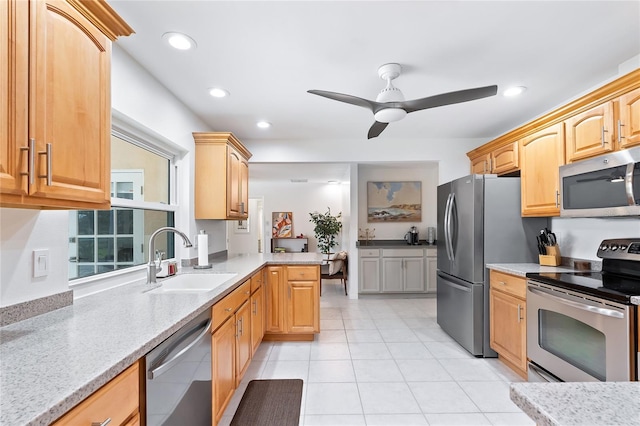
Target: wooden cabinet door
pixel 303 307
pixel 275 299
pixel 413 275
pixel 243 340
pixel 237 185
pixel 505 159
pixel 628 125
pixel 508 328
pixel 223 368
pixel 480 165
pixel 392 274
pixel 257 318
pixel 14 72
pixel 369 275
pixel 69 102
pixel 541 155
pixel 590 133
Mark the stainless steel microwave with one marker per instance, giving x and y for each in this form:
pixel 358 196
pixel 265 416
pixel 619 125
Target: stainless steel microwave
pixel 607 185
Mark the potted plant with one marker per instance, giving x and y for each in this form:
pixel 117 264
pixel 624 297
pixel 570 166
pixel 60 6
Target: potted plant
pixel 326 228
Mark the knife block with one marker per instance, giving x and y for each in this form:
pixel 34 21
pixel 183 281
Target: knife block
pixel 552 258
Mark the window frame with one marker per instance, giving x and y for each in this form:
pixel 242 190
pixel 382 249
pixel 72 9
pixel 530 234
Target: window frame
pixel 133 132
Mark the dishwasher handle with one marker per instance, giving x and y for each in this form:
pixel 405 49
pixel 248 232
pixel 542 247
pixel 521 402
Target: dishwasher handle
pixel 166 365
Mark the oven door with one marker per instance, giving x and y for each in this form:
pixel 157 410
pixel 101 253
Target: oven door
pixel 577 337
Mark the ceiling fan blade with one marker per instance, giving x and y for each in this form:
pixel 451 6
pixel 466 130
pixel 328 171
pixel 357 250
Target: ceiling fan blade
pixel 449 98
pixel 376 129
pixel 349 99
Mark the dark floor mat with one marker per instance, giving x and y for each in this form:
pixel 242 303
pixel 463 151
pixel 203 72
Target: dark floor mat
pixel 270 403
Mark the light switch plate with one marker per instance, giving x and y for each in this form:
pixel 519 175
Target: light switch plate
pixel 40 263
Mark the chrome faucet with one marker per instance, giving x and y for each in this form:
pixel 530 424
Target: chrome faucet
pixel 151 266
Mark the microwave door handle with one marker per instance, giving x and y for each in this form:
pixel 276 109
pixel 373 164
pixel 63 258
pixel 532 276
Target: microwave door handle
pixel 593 309
pixel 628 184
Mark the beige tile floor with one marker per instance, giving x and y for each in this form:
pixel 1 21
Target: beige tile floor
pixel 385 361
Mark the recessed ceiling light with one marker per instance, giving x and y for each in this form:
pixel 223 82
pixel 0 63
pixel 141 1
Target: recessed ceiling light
pixel 179 41
pixel 263 124
pixel 218 92
pixel 333 182
pixel 514 91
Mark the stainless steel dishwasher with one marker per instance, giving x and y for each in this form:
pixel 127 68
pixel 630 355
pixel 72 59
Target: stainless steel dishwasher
pixel 179 376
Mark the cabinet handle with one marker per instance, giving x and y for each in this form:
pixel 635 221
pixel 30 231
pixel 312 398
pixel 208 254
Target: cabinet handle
pixel 603 132
pixel 30 148
pixel 104 423
pixel 227 310
pixel 255 307
pixel 490 165
pixel 501 283
pixel 557 198
pixel 484 167
pixel 242 207
pixel 620 126
pixel 519 313
pixel 48 154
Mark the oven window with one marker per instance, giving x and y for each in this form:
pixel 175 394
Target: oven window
pixel 575 342
pixel 608 185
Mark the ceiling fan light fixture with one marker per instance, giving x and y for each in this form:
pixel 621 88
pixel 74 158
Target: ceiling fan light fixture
pixel 179 41
pixel 389 115
pixel 514 91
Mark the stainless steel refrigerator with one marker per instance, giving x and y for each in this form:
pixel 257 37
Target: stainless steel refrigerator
pixel 479 222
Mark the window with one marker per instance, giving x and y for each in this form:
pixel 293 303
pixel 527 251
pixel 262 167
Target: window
pixel 102 241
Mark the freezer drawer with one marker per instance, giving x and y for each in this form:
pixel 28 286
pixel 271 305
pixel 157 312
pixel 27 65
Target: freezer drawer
pixel 460 311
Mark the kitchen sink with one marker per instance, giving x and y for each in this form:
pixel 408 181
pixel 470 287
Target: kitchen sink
pixel 193 283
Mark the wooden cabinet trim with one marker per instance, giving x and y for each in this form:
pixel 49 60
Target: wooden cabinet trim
pixel 605 93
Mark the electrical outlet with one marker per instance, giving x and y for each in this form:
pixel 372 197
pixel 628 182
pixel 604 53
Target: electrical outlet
pixel 40 263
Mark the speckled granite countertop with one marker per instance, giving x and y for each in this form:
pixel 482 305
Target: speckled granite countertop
pixel 51 362
pixel 592 403
pixel 521 269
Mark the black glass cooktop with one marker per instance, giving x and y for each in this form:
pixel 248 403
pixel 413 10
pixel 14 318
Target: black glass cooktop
pixel 618 288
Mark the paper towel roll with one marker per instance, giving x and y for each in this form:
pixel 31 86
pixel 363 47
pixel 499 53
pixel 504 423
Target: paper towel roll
pixel 203 249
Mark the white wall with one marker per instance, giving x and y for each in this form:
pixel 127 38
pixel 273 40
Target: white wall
pixel 579 238
pixel 427 174
pixel 241 242
pixel 301 199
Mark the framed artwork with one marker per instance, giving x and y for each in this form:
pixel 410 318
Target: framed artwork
pixel 281 225
pixel 394 201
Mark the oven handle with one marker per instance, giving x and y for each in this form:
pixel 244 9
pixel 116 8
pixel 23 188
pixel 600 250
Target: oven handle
pixel 152 374
pixel 578 305
pixel 543 374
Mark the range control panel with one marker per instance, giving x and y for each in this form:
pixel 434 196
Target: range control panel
pixel 622 248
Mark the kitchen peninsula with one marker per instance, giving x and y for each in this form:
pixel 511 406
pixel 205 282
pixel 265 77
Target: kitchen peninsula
pixel 73 351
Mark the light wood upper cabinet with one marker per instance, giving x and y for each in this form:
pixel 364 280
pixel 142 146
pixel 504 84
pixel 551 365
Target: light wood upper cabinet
pixel 500 161
pixel 590 133
pixel 628 123
pixel 541 155
pixel 505 159
pixel 480 164
pixel 64 159
pixel 221 176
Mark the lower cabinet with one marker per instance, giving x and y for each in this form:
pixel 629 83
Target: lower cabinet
pixel 231 346
pixel 257 318
pixel 118 400
pixel 508 320
pixel 292 302
pixel 398 270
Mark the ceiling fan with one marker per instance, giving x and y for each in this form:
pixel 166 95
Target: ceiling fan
pixel 390 105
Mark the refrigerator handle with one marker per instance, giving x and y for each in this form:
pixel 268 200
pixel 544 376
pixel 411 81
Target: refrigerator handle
pixel 446 226
pixel 452 256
